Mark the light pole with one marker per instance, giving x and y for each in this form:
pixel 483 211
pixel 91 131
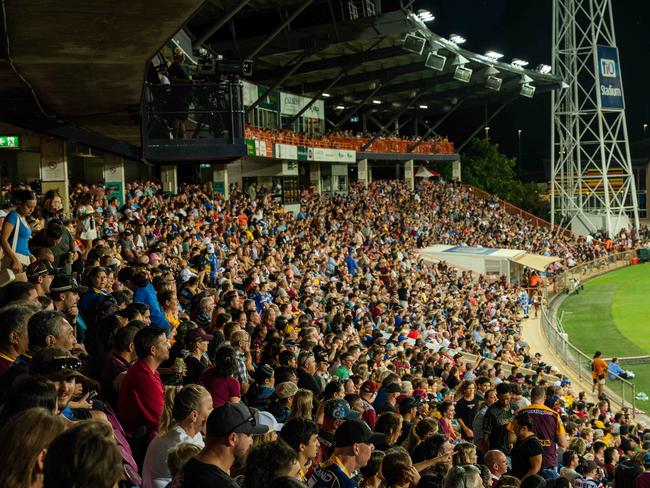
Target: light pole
pixel 487 132
pixel 519 165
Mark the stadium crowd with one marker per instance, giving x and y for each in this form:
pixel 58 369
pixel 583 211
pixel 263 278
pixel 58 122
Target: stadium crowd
pixel 352 141
pixel 192 341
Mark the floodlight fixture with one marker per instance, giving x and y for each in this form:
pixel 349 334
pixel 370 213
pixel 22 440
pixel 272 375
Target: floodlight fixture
pixel 493 83
pixel 435 61
pixel 414 43
pixel 340 107
pixel 525 79
pixel 457 39
pixel 519 62
pixel 423 107
pixel 544 69
pixel 459 60
pixel 425 16
pixel 494 55
pixel 462 74
pixel 377 102
pixel 326 95
pixel 527 90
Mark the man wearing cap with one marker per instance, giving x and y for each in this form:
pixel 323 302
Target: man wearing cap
pixel 40 273
pixel 335 412
pixel 354 444
pixel 408 409
pixel 588 480
pixel 392 392
pixel 64 292
pixel 228 438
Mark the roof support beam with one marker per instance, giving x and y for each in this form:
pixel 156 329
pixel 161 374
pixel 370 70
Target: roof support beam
pixel 358 106
pixel 280 28
pixel 433 128
pixel 278 83
pixel 484 124
pixel 210 31
pixel 316 97
pixel 395 117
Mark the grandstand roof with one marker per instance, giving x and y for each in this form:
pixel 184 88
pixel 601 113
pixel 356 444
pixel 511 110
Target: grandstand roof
pixel 363 59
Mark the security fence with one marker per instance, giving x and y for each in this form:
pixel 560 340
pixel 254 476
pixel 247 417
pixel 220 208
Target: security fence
pixel 617 388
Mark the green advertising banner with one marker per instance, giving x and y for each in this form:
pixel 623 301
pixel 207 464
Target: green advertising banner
pixel 114 189
pixel 250 147
pixel 219 187
pixel 302 153
pixel 271 100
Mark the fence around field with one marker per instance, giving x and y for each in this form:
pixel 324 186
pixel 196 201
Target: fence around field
pixel 619 389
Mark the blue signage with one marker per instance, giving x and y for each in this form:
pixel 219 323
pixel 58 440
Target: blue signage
pixel 477 251
pixel 608 77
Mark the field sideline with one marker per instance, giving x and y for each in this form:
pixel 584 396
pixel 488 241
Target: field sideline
pixel 612 314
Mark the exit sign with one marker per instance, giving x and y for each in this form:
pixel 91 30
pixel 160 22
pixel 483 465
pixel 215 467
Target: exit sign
pixel 9 141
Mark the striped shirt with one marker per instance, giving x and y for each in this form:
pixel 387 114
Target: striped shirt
pixel 548 428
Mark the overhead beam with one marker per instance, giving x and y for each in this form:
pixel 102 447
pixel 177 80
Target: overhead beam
pixel 358 106
pixel 278 83
pixel 316 97
pixel 484 124
pixel 210 31
pixel 334 62
pixel 432 129
pixel 279 28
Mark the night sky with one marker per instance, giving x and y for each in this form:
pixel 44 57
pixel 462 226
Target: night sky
pixel 523 29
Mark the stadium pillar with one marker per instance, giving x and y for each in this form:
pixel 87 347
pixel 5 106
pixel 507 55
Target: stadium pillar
pixel 455 170
pixel 54 169
pixel 114 177
pixel 220 181
pixel 409 174
pixel 362 172
pixel 169 178
pixel 314 176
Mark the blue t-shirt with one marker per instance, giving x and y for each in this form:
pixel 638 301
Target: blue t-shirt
pixel 24 233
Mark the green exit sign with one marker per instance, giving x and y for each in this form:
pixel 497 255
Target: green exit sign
pixel 9 141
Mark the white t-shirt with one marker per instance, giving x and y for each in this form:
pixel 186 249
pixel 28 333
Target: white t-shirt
pixel 155 472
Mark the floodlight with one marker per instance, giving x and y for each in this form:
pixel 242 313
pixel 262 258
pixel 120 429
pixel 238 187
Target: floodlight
pixel 462 74
pixel 377 102
pixel 423 107
pixel 425 16
pixel 457 39
pixel 493 83
pixel 544 69
pixel 326 95
pixel 527 90
pixel 493 55
pixel 459 60
pixel 435 61
pixel 413 43
pixel 525 79
pixel 339 107
pixel 519 62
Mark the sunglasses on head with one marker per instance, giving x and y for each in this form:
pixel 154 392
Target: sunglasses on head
pixel 60 364
pixel 250 420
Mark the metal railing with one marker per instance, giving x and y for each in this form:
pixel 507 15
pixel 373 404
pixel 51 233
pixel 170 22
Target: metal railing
pixel 620 390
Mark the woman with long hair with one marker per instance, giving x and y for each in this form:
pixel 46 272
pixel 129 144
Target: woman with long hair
pixel 16 233
pixel 219 380
pixel 424 429
pixel 25 441
pixel 390 424
pixel 447 413
pixel 183 420
pixel 466 408
pixel 464 453
pixel 303 404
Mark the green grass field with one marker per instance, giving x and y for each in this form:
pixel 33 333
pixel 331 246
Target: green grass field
pixel 612 314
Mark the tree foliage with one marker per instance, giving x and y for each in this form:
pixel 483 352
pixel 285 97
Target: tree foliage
pixel 487 168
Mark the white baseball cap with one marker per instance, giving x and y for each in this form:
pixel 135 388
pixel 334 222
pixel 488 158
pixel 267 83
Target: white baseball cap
pixel 265 418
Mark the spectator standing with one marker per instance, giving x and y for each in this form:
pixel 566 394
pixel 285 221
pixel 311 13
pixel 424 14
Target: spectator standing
pixel 219 380
pixel 116 366
pixel 598 373
pixel 16 232
pixel 466 407
pixel 497 418
pixel 527 452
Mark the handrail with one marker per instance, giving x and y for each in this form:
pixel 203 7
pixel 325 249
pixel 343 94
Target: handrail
pixel 514 210
pixel 574 358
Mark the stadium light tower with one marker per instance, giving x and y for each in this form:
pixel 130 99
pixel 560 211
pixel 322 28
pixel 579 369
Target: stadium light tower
pixel 592 184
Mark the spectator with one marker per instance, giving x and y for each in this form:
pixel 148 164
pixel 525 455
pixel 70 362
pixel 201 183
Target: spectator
pixel 141 398
pixel 527 451
pixel 354 441
pixel 196 362
pixel 227 440
pixel 29 392
pixel 84 456
pixel 598 373
pixel 466 407
pixel 306 371
pixel 496 420
pixel 26 440
pixel 267 462
pixel 16 232
pixel 497 463
pixel 615 370
pixel 589 470
pixel 467 476
pixel 117 365
pixel 219 380
pixel 64 293
pixel 179 456
pixel 397 469
pixel 19 291
pixel 371 476
pixel 302 435
pixel 14 339
pixel 240 341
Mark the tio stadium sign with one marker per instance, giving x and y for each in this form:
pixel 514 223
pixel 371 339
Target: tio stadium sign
pixel 608 77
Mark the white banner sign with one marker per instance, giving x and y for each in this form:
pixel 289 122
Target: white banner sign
pixel 286 151
pixel 53 169
pixel 291 104
pixel 249 92
pixel 331 155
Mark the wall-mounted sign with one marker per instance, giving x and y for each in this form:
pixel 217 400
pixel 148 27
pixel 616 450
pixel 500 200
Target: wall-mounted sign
pixel 9 141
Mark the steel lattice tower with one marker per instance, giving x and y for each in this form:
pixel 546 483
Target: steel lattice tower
pixel 592 185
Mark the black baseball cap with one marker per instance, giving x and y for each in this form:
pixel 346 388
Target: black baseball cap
pixel 63 282
pixel 353 432
pixel 338 409
pixel 233 417
pixel 55 364
pixel 39 268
